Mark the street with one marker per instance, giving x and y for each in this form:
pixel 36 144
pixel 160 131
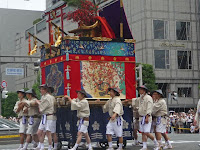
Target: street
pixel 179 142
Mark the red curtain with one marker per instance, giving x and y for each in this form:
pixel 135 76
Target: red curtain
pixel 130 81
pixel 106 30
pixel 43 75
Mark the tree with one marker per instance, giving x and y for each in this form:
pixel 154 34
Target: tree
pixel 148 77
pixel 85 13
pixel 37 20
pixel 8 104
pixel 36 86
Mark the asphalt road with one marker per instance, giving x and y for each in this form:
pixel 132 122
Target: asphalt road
pixel 179 142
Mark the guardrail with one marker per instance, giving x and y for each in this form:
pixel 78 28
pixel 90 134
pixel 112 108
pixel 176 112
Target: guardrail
pixel 9 129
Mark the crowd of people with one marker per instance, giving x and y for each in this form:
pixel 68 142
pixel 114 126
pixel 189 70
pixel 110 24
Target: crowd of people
pixel 183 122
pixel 14 119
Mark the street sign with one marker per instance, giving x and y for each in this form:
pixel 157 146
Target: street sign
pixel 3 84
pixel 15 71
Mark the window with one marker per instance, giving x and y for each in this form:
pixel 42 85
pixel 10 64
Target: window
pixel 161 59
pixel 55 1
pixel 30 30
pixel 183 30
pixel 185 92
pixel 56 20
pixel 160 29
pixel 41 26
pixel 184 60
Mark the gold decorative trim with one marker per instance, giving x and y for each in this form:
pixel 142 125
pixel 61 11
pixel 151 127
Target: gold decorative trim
pixel 127 59
pixel 56 60
pixel 102 58
pixel 129 40
pixel 114 58
pixel 77 57
pixel 47 45
pixel 71 38
pixel 101 39
pixel 90 57
pixel 90 27
pixel 61 58
pixel 50 61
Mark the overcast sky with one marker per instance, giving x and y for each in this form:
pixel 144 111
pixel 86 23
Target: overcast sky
pixel 37 5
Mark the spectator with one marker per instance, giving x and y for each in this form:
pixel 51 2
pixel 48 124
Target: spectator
pixel 192 128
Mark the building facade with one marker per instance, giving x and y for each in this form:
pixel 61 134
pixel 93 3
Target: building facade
pixel 167 37
pixel 13 22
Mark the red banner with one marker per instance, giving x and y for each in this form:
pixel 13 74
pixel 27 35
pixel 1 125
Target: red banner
pixel 43 75
pixel 130 81
pixel 73 83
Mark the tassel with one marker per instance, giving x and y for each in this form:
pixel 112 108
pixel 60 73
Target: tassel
pixel 24 120
pixel 52 42
pixel 67 56
pixel 44 119
pixel 68 92
pixel 67 75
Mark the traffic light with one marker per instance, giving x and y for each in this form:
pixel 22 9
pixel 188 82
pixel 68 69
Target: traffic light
pixel 4 94
pixel 37 65
pixel 174 96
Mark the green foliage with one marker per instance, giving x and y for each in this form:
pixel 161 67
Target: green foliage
pixel 36 86
pixel 148 77
pixel 8 104
pixel 37 20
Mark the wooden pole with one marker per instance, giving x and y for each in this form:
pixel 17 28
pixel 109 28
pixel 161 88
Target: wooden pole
pixel 36 37
pixel 121 19
pixel 58 27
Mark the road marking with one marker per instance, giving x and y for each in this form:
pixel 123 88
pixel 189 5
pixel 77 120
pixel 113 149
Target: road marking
pixel 8 136
pixel 185 141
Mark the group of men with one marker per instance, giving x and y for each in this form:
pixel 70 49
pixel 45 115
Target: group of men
pixel 150 115
pixel 37 118
pixel 115 125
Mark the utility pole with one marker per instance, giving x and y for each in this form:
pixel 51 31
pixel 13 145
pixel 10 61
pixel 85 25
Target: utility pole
pixel 1 89
pixel 140 74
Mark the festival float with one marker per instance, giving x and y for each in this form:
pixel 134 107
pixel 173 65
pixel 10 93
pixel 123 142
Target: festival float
pixel 100 55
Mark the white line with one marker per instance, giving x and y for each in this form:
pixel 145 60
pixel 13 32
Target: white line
pixel 185 141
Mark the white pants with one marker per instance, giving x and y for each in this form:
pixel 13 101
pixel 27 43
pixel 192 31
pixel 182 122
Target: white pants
pixel 32 129
pixel 50 125
pixel 161 128
pixel 23 127
pixel 114 128
pixel 83 128
pixel 146 128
